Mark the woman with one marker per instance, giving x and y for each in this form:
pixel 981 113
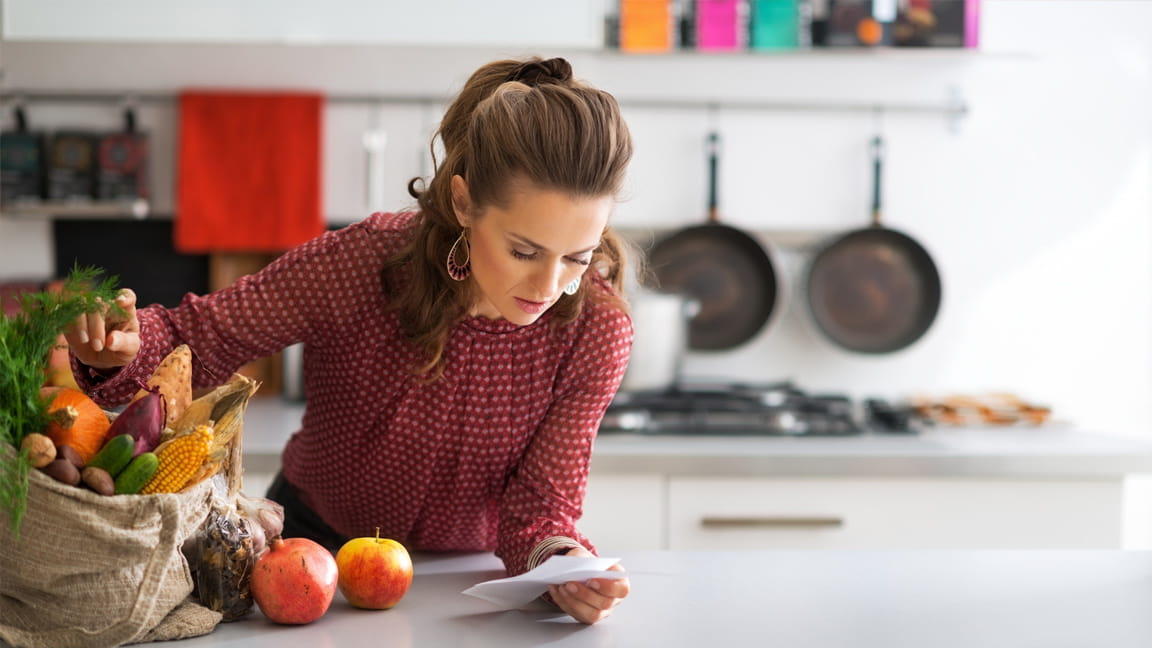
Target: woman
pixel 458 358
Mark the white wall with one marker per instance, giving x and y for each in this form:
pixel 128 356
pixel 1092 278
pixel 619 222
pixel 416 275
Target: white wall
pixel 559 23
pixel 1036 208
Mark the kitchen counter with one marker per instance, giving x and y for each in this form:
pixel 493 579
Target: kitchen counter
pixel 757 598
pixel 1056 451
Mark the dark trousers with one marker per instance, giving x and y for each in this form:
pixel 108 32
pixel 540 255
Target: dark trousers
pixel 299 520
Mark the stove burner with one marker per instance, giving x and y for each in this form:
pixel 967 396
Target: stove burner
pixel 776 409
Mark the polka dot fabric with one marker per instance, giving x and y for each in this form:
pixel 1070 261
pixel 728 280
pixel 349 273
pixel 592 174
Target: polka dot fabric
pixel 494 456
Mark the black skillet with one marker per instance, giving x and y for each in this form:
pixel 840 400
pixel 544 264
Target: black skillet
pixel 724 269
pixel 874 290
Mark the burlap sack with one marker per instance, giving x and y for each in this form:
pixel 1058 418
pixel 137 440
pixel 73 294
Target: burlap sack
pixel 92 571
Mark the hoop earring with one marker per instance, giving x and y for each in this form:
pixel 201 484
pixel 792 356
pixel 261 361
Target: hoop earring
pixel 459 271
pixel 571 288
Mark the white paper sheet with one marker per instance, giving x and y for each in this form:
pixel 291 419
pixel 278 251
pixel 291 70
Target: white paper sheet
pixel 518 591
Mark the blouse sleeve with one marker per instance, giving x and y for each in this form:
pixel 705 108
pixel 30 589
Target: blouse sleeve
pixel 259 315
pixel 545 495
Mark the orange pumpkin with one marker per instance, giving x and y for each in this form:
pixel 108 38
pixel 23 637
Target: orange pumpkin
pixel 75 420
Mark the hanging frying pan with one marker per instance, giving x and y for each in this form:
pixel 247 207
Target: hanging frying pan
pixel 724 269
pixel 873 290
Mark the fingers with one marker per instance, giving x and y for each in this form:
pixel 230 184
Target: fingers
pixel 124 345
pixel 586 603
pixel 77 332
pixel 592 601
pixel 96 330
pixel 107 338
pixel 611 588
pixel 583 604
pixel 126 300
pixel 123 337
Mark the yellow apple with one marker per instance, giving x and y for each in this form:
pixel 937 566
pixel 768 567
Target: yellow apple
pixel 375 573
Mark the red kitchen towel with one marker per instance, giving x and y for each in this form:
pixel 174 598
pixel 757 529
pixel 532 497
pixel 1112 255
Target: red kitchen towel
pixel 249 171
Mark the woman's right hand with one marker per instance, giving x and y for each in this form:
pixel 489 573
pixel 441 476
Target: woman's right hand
pixel 105 340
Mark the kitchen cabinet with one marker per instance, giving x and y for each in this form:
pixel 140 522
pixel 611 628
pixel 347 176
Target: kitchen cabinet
pixel 641 512
pixel 370 154
pixel 912 513
pixel 625 513
pixel 964 488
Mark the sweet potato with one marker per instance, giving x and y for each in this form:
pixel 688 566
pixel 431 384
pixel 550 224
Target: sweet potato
pixel 174 379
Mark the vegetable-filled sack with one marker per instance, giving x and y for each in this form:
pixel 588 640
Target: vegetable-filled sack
pixel 90 570
pixel 98 570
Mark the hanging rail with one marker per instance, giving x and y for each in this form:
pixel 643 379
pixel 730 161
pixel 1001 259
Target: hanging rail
pixel 954 109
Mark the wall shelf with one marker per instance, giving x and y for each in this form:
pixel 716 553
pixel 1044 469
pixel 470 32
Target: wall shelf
pixel 902 81
pixel 137 209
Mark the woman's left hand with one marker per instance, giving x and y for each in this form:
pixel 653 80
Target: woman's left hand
pixel 591 601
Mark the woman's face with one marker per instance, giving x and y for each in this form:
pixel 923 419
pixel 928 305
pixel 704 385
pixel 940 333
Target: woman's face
pixel 525 253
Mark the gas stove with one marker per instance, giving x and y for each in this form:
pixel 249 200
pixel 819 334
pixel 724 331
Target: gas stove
pixel 774 409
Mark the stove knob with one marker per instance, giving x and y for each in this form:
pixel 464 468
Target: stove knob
pixel 782 422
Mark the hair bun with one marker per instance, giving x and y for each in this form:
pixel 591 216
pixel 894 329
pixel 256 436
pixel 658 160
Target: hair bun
pixel 540 72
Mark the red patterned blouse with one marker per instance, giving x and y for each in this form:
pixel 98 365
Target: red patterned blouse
pixel 494 456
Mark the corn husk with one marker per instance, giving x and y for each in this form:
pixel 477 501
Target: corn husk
pixel 231 397
pixel 226 416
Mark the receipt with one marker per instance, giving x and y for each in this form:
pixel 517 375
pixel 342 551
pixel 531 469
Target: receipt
pixel 518 591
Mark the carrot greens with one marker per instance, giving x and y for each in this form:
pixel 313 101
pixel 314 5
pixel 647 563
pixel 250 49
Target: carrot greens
pixel 26 340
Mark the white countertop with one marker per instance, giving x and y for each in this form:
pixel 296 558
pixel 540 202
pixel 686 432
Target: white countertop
pixel 1055 451
pixel 814 599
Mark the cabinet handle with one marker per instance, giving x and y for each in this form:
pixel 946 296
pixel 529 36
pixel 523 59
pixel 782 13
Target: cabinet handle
pixel 771 521
pixel 374 143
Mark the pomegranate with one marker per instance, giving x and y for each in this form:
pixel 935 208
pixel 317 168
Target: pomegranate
pixel 294 581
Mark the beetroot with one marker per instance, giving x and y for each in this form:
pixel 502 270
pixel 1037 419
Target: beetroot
pixel 144 419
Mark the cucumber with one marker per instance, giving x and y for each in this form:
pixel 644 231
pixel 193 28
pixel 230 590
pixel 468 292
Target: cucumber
pixel 115 454
pixel 133 478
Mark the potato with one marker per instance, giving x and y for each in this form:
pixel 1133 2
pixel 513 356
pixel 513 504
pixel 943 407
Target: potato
pixel 98 480
pixel 69 454
pixel 63 471
pixel 41 450
pixel 174 379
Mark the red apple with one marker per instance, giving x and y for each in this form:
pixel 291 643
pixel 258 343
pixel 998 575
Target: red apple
pixel 374 572
pixel 294 581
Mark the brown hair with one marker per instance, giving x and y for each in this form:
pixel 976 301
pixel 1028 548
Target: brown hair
pixel 514 121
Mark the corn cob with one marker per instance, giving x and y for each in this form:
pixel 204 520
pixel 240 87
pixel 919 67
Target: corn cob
pixel 179 459
pixel 212 406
